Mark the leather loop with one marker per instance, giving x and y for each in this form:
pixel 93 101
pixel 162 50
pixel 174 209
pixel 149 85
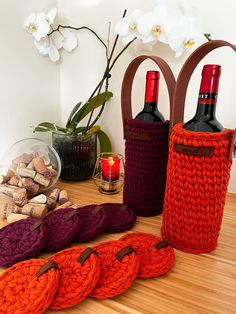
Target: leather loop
pixel 125 251
pixel 161 245
pixel 127 84
pixel 85 255
pixel 43 269
pixel 185 75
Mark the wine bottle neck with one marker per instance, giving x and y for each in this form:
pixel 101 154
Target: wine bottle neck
pixel 207 97
pixel 152 86
pixel 150 106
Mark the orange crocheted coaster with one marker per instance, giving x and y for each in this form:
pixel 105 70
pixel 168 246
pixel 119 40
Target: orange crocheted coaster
pixel 155 256
pixel 119 267
pixel 79 270
pixel 28 287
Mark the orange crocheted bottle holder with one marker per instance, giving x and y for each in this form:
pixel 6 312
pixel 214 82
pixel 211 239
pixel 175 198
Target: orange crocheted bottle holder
pixel 197 174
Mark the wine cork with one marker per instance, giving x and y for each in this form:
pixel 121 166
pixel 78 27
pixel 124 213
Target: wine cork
pixel 39 199
pixel 39 178
pixel 25 158
pixel 14 180
pixel 63 197
pixel 29 184
pixel 51 203
pixel 30 165
pixel 6 209
pixel 25 172
pixel 4 179
pixel 65 205
pixel 34 210
pixel 10 173
pixel 7 189
pixel 54 194
pixel 15 217
pixel 74 206
pixel 20 197
pixel 39 165
pixel 21 165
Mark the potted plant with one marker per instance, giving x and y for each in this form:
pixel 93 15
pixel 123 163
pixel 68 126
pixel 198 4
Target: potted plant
pixel 76 142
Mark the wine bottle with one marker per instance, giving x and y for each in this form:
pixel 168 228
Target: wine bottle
pixel 150 112
pixel 205 119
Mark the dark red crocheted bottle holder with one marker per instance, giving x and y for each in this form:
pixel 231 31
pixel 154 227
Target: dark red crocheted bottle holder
pixel 197 173
pixel 146 148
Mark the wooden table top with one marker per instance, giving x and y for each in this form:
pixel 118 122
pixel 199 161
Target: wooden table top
pixel 204 283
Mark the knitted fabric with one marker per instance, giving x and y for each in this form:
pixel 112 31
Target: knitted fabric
pixel 18 241
pixel 61 228
pixel 145 166
pixel 77 278
pixel 23 292
pixel 117 275
pixel 123 217
pixel 195 190
pixel 94 223
pixel 155 256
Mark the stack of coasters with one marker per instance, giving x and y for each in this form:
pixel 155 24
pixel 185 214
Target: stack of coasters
pixel 119 268
pixel 95 220
pixel 79 273
pixel 63 224
pixel 22 240
pixel 123 217
pixel 28 287
pixel 155 256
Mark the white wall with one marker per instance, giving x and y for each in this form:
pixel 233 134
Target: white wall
pixel 81 70
pixel 29 84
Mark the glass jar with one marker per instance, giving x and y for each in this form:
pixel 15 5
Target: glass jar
pixel 78 154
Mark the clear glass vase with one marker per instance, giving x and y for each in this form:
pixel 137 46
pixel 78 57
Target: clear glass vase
pixel 78 155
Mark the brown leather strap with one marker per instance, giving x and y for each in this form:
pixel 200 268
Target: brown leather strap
pixel 127 84
pixel 185 75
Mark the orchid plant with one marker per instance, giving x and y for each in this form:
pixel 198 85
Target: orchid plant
pixel 174 26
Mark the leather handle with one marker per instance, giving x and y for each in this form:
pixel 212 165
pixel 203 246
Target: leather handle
pixel 186 73
pixel 128 79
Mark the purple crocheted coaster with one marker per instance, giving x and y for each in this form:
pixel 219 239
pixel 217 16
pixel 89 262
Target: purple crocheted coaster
pixel 123 217
pixel 63 224
pixel 96 219
pixel 22 240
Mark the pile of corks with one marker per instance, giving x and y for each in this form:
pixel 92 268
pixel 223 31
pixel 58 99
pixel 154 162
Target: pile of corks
pixel 27 176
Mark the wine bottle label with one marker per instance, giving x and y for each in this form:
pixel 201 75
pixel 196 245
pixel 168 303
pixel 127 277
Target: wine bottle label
pixel 207 98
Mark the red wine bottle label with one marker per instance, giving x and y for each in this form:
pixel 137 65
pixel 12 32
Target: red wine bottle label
pixel 207 98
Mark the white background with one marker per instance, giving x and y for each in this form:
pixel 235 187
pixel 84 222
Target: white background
pixel 33 89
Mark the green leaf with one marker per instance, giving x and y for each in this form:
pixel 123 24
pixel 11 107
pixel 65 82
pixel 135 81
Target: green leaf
pixel 74 110
pixel 105 143
pixel 94 103
pixel 94 129
pixel 79 130
pixel 48 126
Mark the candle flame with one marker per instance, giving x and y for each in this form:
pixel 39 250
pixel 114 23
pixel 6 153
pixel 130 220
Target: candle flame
pixel 111 161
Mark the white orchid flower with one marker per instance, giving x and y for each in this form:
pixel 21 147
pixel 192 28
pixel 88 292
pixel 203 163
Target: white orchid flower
pixel 49 46
pixel 70 41
pixel 39 24
pixel 185 36
pixel 154 25
pixel 127 27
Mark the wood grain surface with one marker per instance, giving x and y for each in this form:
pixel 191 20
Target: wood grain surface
pixel 204 283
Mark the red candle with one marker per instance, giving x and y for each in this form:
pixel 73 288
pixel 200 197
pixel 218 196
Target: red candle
pixel 110 168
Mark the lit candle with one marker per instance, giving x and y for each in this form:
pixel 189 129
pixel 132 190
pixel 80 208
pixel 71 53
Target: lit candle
pixel 110 171
pixel 110 168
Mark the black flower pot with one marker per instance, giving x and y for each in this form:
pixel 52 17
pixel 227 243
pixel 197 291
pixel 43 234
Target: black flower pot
pixel 78 155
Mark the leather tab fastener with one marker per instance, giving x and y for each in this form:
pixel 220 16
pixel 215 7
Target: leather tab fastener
pixel 71 214
pixel 97 209
pixel 85 255
pixel 161 245
pixel 193 150
pixel 43 269
pixel 125 251
pixel 232 150
pixel 137 136
pixel 37 224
